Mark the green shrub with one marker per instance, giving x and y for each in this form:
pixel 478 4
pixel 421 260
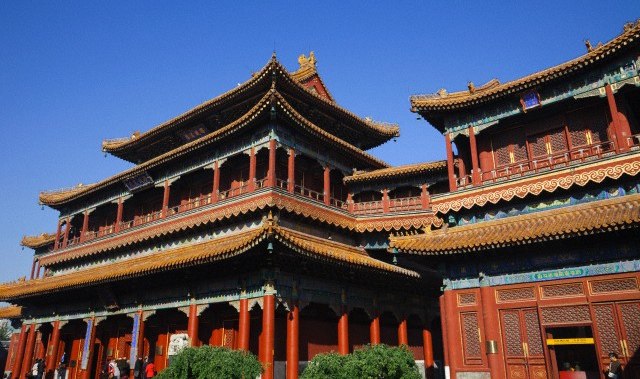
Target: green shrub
pixel 370 362
pixel 209 362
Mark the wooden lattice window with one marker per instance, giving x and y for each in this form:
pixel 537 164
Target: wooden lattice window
pixel 587 126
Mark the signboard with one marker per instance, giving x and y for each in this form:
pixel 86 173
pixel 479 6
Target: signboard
pixel 530 100
pixel 87 345
pixel 134 339
pixel 559 274
pixel 138 182
pixel 570 341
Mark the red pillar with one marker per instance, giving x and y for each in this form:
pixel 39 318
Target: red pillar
pixel 268 336
pixel 192 328
pixel 33 269
pixel 271 177
pixel 244 322
pixel 620 132
pixel 343 332
pixel 450 169
pixel 403 337
pixel 67 229
pixel 85 226
pixel 425 199
pixel 454 344
pixel 427 347
pixel 443 327
pixel 141 335
pixel 350 205
pixel 327 185
pixel 252 169
pixel 386 203
pixel 86 373
pixel 58 232
pixel 215 191
pixel 475 173
pixel 19 355
pixel 492 330
pixel 291 171
pixel 165 199
pixel 119 215
pixel 27 361
pixel 293 325
pixel 374 330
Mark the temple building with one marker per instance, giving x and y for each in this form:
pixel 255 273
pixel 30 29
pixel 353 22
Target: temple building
pixel 258 221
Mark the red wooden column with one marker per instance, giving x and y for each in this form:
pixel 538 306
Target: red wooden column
pixel 450 169
pixel 374 330
pixel 119 215
pixel 350 204
pixel 56 243
pixel 427 348
pixel 19 355
pixel 425 199
pixel 244 322
pixel 192 328
pixel 492 329
pixel 454 344
pixel 386 202
pixel 343 332
pixel 620 131
pixel 252 169
pixel 403 337
pixel 271 176
pixel 326 192
pixel 33 269
pixel 291 171
pixel 86 373
pixel 141 335
pixel 268 335
pixel 52 349
pixel 85 226
pixel 443 327
pixel 27 361
pixel 165 199
pixel 475 168
pixel 293 327
pixel 67 229
pixel 215 191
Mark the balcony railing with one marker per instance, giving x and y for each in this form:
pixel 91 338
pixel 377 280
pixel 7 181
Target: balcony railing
pixel 361 208
pixel 549 162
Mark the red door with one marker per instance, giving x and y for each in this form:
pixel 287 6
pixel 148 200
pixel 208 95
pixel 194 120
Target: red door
pixel 522 341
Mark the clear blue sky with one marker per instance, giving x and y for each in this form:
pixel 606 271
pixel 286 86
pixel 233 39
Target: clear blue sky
pixel 73 73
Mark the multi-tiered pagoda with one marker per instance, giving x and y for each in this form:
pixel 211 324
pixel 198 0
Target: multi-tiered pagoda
pixel 255 221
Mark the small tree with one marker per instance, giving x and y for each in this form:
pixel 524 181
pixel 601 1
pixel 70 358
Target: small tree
pixel 371 362
pixel 5 330
pixel 208 362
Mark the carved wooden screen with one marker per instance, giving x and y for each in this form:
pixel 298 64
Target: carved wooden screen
pixel 471 338
pixel 587 126
pixel 523 347
pixel 629 315
pixel 617 327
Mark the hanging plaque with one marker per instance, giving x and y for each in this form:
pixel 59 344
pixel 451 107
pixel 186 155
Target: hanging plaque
pixel 134 339
pixel 87 345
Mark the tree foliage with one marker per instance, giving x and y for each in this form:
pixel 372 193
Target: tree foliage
pixel 5 330
pixel 370 362
pixel 209 362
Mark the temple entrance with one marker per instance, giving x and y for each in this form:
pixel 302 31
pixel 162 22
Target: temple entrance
pixel 573 353
pixel 523 348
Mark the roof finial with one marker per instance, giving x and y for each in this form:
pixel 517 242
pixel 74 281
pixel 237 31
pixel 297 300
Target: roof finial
pixel 273 55
pixel 307 62
pixel 471 86
pixel 587 43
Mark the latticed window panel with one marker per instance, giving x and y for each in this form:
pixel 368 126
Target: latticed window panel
pixel 512 334
pixel 516 294
pixel 519 151
pixel 466 299
pixel 538 146
pixel 587 126
pixel 534 338
pixel 614 285
pixel 471 338
pixel 630 313
pixel 557 141
pixel 606 328
pixel 566 315
pixel 563 290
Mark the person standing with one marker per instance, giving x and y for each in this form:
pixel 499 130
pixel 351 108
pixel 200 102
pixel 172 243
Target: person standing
pixel 150 369
pixel 614 370
pixel 138 369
